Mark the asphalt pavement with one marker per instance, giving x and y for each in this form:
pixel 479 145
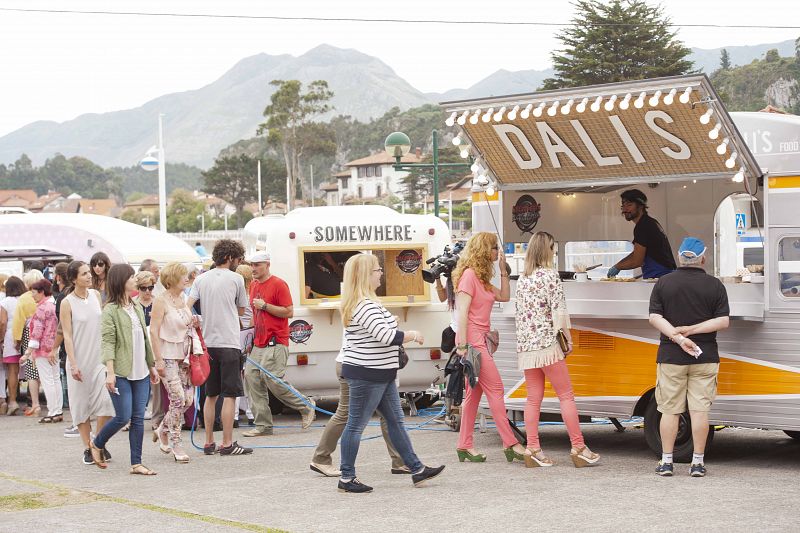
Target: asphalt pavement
pixel 751 485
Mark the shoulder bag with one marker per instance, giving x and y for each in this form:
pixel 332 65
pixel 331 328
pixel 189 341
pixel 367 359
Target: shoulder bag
pixel 402 357
pixel 199 363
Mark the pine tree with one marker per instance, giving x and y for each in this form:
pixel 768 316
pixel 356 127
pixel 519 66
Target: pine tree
pixel 617 41
pixel 724 60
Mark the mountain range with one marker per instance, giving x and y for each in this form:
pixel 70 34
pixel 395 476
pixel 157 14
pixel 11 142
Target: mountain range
pixel 199 123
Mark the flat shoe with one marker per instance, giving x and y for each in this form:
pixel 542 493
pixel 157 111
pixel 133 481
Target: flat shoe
pixel 97 455
pixel 46 420
pixel 142 470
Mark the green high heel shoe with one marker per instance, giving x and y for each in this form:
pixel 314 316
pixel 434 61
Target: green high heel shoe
pixel 473 458
pixel 511 454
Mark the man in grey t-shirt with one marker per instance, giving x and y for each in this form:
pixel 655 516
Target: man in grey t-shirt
pixel 223 299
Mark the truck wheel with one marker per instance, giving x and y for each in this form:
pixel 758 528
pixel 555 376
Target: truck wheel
pixel 684 447
pixel 793 434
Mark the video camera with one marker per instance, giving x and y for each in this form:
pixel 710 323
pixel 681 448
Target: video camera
pixel 442 264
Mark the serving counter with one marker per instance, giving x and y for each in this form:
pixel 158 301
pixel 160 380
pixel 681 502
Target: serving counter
pixel 631 299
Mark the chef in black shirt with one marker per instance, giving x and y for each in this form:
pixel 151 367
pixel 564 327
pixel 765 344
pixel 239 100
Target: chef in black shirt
pixel 651 249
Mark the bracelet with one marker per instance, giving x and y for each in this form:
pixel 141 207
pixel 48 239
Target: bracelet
pixel 461 347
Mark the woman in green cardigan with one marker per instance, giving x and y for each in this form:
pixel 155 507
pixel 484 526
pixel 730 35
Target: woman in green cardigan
pixel 126 352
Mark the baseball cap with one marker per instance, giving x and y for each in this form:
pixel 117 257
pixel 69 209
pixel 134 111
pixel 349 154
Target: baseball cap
pixel 691 247
pixel 258 257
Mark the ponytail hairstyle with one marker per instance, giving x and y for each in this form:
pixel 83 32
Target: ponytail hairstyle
pixel 72 274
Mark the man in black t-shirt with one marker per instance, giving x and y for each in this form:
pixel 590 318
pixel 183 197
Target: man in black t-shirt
pixel 651 249
pixel 688 307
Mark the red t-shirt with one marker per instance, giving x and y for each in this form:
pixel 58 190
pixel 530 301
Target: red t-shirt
pixel 274 291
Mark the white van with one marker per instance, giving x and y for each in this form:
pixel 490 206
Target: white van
pixel 309 247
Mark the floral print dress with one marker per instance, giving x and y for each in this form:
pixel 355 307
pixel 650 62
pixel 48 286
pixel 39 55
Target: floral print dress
pixel 541 312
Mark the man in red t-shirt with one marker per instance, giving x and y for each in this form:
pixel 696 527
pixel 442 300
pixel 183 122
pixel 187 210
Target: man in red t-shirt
pixel 272 309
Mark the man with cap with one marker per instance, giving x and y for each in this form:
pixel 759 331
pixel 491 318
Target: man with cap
pixel 272 309
pixel 688 307
pixel 651 249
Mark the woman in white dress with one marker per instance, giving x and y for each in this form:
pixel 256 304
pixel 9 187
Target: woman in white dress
pixel 86 375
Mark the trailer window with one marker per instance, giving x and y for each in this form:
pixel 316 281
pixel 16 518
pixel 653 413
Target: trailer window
pixel 584 254
pixel 789 267
pixel 323 271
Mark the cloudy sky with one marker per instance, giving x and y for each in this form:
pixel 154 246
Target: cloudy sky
pixel 56 66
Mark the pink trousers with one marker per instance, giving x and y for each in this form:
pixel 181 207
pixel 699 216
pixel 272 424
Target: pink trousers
pixel 559 378
pixel 489 382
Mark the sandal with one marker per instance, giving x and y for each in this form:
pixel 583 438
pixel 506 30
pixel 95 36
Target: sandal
pixel 33 411
pixel 97 455
pixel 583 457
pixel 157 437
pixel 180 455
pixel 142 470
pixel 46 420
pixel 58 418
pixel 534 458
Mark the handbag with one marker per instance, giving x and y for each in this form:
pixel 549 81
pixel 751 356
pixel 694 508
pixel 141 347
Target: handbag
pixel 199 365
pixel 562 341
pixel 402 357
pixel 492 338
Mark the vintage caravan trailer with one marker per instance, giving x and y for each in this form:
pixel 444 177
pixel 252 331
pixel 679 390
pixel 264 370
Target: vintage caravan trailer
pixel 79 236
pixel 309 246
pixel 559 160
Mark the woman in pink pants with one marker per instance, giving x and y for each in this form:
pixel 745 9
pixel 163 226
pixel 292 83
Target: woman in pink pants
pixel 541 313
pixel 475 296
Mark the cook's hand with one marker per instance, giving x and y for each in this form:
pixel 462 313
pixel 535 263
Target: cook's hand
pixel 111 382
pixel 612 272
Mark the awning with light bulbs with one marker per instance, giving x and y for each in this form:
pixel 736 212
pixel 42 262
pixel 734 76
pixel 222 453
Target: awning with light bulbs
pixel 603 136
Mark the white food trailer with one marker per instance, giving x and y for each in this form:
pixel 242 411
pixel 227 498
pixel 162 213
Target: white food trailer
pixel 308 247
pixel 559 160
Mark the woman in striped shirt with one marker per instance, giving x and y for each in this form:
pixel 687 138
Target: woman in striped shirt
pixel 370 363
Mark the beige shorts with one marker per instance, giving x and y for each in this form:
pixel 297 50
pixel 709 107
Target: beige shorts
pixel 678 385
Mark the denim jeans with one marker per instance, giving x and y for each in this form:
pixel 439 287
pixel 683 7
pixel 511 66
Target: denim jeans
pixel 129 405
pixel 365 397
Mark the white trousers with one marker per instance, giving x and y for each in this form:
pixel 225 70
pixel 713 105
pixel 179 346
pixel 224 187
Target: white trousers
pixel 2 381
pixel 50 378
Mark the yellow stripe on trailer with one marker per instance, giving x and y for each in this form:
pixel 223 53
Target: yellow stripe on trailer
pixel 784 182
pixel 607 365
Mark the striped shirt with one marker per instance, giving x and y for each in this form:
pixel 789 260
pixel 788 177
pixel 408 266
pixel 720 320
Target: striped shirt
pixel 371 343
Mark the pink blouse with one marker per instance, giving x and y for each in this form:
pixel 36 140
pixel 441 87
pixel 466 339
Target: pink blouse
pixel 480 307
pixel 43 327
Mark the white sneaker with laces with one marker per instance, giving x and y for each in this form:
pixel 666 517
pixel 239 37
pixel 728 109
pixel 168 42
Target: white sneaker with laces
pixel 71 432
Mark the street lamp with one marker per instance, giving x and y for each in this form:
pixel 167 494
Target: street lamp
pixel 201 217
pixel 398 144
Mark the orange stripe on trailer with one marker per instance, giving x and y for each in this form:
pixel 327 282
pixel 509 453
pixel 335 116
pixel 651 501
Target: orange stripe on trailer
pixel 605 365
pixel 784 182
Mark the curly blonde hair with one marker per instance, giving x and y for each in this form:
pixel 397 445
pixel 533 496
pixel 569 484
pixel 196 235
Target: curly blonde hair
pixel 477 255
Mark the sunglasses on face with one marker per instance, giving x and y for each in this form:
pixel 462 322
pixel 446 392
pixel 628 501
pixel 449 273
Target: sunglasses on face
pixel 148 288
pixel 101 264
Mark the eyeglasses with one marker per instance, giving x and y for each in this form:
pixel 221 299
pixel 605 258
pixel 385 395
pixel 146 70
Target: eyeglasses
pixel 148 288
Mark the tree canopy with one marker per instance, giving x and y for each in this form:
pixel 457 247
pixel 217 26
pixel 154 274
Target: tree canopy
pixel 289 125
pixel 617 41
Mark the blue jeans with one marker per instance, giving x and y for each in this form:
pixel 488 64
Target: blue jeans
pixel 365 398
pixel 129 406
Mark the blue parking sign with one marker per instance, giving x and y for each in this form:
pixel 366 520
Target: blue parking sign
pixel 741 223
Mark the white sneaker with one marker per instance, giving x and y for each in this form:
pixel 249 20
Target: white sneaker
pixel 325 470
pixel 71 432
pixel 148 414
pixel 309 415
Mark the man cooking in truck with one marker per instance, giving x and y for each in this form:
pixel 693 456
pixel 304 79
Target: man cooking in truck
pixel 651 249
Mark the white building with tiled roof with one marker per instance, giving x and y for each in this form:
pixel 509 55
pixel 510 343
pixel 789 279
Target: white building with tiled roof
pixel 373 177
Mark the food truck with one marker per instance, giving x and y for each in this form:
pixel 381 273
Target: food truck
pixel 60 236
pixel 308 248
pixel 558 160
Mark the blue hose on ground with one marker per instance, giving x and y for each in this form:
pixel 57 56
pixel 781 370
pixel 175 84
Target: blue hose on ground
pixel 307 403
